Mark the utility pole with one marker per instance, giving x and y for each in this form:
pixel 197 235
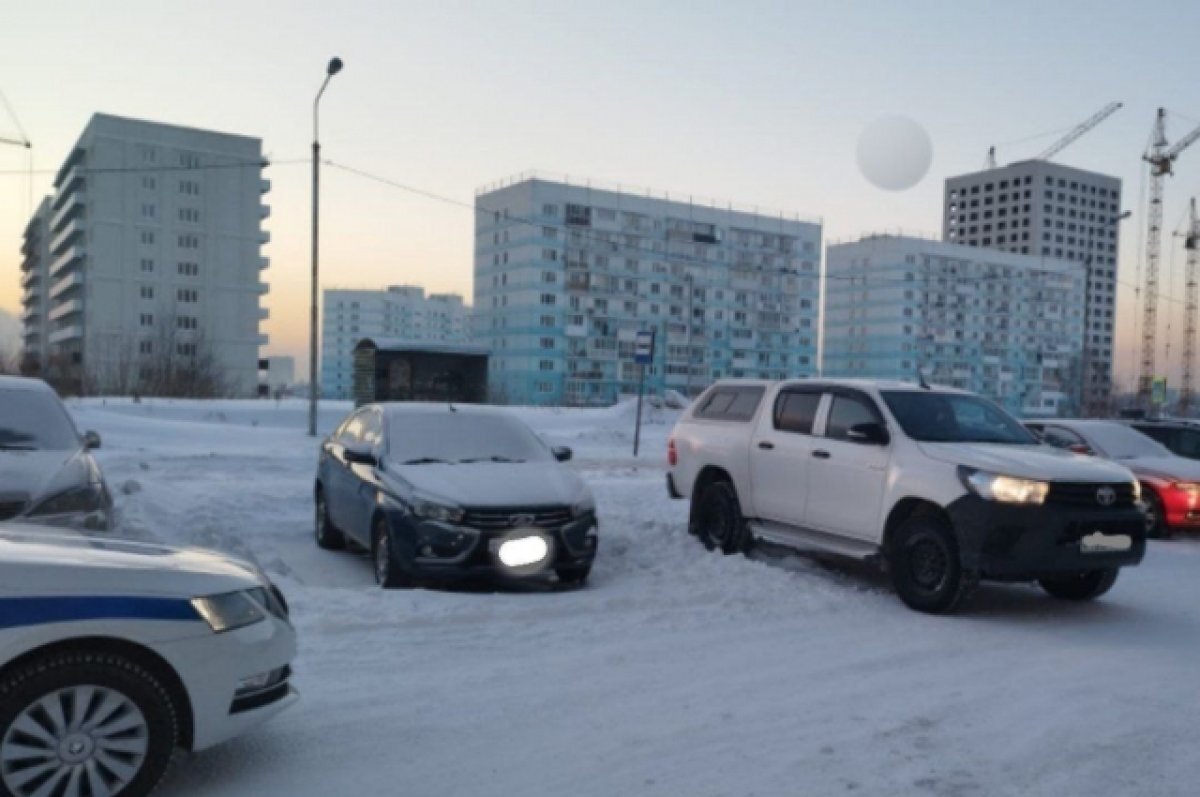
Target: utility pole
pixel 335 66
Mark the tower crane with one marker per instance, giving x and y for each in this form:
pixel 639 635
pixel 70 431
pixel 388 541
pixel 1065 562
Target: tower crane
pixel 1068 139
pixel 1191 304
pixel 1161 160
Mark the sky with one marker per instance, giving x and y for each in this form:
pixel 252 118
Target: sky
pixel 753 102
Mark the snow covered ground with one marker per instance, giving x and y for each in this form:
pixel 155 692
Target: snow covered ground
pixel 676 671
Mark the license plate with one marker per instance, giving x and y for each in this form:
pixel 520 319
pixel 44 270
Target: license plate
pixel 1105 543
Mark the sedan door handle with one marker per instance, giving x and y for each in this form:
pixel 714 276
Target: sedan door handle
pixel 766 445
pixel 820 454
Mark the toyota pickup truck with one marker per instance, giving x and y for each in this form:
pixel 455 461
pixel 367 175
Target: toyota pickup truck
pixel 941 486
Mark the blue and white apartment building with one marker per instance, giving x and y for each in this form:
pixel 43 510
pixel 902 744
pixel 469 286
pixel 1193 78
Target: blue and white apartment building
pixel 1004 324
pixel 567 274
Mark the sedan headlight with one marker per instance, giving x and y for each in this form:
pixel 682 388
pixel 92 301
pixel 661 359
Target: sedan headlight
pixel 431 510
pixel 1137 491
pixel 75 501
pixel 232 610
pixel 1002 488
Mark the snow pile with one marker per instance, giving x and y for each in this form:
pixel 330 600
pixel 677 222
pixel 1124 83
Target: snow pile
pixel 677 671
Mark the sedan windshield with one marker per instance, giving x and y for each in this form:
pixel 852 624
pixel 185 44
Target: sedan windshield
pixel 1118 441
pixel 423 438
pixel 954 418
pixel 34 421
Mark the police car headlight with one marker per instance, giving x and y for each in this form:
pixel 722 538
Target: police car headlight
pixel 231 610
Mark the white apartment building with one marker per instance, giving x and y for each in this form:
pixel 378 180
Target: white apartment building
pixel 566 275
pixel 155 237
pixel 1041 208
pixel 1009 326
pixel 402 312
pixel 277 373
pixel 35 288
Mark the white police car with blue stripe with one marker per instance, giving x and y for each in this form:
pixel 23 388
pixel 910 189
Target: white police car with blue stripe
pixel 114 653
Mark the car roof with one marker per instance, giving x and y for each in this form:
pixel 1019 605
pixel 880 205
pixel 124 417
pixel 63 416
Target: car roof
pixel 1076 423
pixel 415 408
pixel 24 383
pixel 861 384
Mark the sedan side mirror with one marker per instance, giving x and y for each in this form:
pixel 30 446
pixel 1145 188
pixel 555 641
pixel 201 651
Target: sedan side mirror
pixel 360 455
pixel 91 440
pixel 1080 448
pixel 873 434
pixel 562 453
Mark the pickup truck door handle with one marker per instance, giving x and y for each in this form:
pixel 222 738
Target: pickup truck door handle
pixel 766 445
pixel 821 454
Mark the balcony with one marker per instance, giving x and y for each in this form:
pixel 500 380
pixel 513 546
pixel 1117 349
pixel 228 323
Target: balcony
pixel 64 309
pixel 31 277
pixel 264 186
pixel 264 288
pixel 264 236
pixel 264 211
pixel 70 231
pixel 29 313
pixel 263 339
pixel 69 256
pixel 73 332
pixel 68 283
pixel 71 203
pixel 264 313
pixel 263 263
pixel 69 190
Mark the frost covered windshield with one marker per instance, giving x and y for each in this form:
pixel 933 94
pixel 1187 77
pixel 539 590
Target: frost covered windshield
pixel 1120 442
pixel 953 418
pixel 32 421
pixel 461 437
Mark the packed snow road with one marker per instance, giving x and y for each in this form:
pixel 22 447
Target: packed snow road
pixel 676 671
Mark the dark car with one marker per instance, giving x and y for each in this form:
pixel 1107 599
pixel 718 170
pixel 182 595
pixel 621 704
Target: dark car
pixel 440 492
pixel 47 472
pixel 1181 439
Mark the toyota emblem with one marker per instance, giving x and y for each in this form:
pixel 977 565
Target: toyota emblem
pixel 1106 496
pixel 523 520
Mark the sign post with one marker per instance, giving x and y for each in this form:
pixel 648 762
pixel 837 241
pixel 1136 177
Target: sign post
pixel 643 355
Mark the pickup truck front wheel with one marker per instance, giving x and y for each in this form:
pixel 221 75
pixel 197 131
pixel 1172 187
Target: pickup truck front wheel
pixel 925 567
pixel 717 519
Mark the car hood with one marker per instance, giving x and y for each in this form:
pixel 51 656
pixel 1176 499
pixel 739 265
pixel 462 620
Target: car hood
pixel 1030 462
pixel 495 484
pixel 33 475
pixel 1166 468
pixel 35 560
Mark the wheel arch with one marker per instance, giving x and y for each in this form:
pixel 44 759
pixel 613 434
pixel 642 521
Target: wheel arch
pixel 905 509
pixel 159 667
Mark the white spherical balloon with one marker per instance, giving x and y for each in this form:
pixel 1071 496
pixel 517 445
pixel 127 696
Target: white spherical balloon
pixel 894 153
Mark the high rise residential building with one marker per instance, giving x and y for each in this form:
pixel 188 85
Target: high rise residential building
pixel 402 312
pixel 155 264
pixel 1007 325
pixel 1044 209
pixel 35 279
pixel 567 275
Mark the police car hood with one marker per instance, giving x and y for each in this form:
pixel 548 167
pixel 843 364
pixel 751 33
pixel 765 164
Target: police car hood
pixel 36 560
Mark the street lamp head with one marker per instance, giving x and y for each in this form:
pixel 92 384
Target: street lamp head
pixel 335 66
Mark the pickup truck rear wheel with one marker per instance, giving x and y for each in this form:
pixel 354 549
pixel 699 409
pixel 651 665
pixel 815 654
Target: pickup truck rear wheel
pixel 718 521
pixel 1084 586
pixel 926 571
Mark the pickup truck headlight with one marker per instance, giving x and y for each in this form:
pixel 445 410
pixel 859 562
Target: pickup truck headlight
pixel 75 501
pixel 431 510
pixel 1004 489
pixel 232 610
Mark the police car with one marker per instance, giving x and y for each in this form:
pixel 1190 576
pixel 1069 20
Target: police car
pixel 113 653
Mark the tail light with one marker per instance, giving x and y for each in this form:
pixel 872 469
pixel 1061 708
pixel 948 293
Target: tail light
pixel 672 454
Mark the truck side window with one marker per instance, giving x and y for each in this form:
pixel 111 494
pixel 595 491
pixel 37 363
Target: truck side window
pixel 730 404
pixel 848 412
pixel 795 412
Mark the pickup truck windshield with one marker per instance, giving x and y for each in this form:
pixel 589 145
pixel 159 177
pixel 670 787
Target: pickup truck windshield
pixel 954 418
pixel 34 421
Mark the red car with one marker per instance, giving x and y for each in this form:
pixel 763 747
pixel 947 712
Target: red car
pixel 1170 483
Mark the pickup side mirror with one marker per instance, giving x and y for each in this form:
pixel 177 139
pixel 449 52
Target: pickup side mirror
pixel 360 455
pixel 91 440
pixel 872 434
pixel 562 453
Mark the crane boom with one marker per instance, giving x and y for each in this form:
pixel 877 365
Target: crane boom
pixel 1083 127
pixel 1191 308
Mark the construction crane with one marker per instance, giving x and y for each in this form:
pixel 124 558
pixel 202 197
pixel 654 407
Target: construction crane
pixel 1191 303
pixel 1161 160
pixel 1068 139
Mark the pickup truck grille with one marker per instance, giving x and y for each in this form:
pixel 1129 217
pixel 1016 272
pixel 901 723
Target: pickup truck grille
pixel 10 509
pixel 1084 494
pixel 543 517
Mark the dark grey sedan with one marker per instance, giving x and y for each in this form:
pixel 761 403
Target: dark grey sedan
pixel 47 472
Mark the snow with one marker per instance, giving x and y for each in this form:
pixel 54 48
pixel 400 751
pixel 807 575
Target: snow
pixel 676 671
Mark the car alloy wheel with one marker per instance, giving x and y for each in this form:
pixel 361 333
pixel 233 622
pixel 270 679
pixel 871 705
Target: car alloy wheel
pixel 927 564
pixel 383 558
pixel 78 741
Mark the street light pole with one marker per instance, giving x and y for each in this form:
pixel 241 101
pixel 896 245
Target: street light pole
pixel 335 66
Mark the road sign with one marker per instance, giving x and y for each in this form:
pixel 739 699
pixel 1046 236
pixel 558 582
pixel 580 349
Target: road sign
pixel 1158 390
pixel 643 347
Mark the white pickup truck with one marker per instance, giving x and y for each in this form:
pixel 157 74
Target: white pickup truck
pixel 943 487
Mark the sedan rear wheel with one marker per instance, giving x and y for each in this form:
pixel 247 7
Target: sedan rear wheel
pixel 1156 517
pixel 328 537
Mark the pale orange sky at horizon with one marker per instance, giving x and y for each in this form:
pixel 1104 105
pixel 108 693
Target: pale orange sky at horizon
pixel 758 102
